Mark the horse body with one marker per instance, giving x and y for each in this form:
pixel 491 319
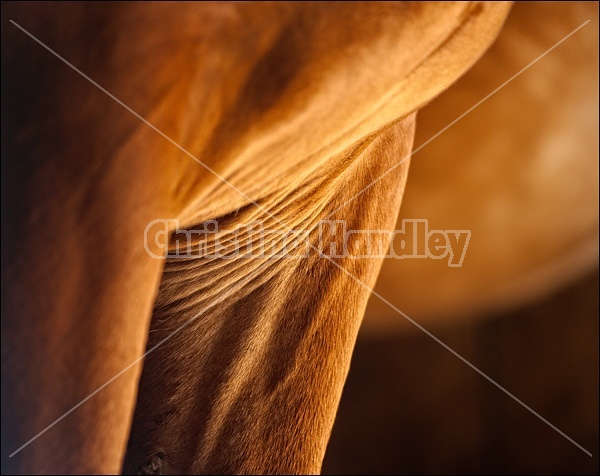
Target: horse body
pixel 276 112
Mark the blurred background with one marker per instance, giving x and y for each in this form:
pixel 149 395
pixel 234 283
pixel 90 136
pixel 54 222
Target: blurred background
pixel 411 407
pixel 521 172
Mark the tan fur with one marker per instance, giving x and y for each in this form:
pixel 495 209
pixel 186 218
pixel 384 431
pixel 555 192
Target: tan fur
pixel 299 106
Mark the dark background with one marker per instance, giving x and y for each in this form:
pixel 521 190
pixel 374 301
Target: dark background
pixel 410 406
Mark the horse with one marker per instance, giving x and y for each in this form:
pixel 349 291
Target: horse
pixel 119 115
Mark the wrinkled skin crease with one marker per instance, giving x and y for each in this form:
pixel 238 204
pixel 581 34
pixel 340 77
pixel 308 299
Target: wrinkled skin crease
pixel 244 406
pixel 299 106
